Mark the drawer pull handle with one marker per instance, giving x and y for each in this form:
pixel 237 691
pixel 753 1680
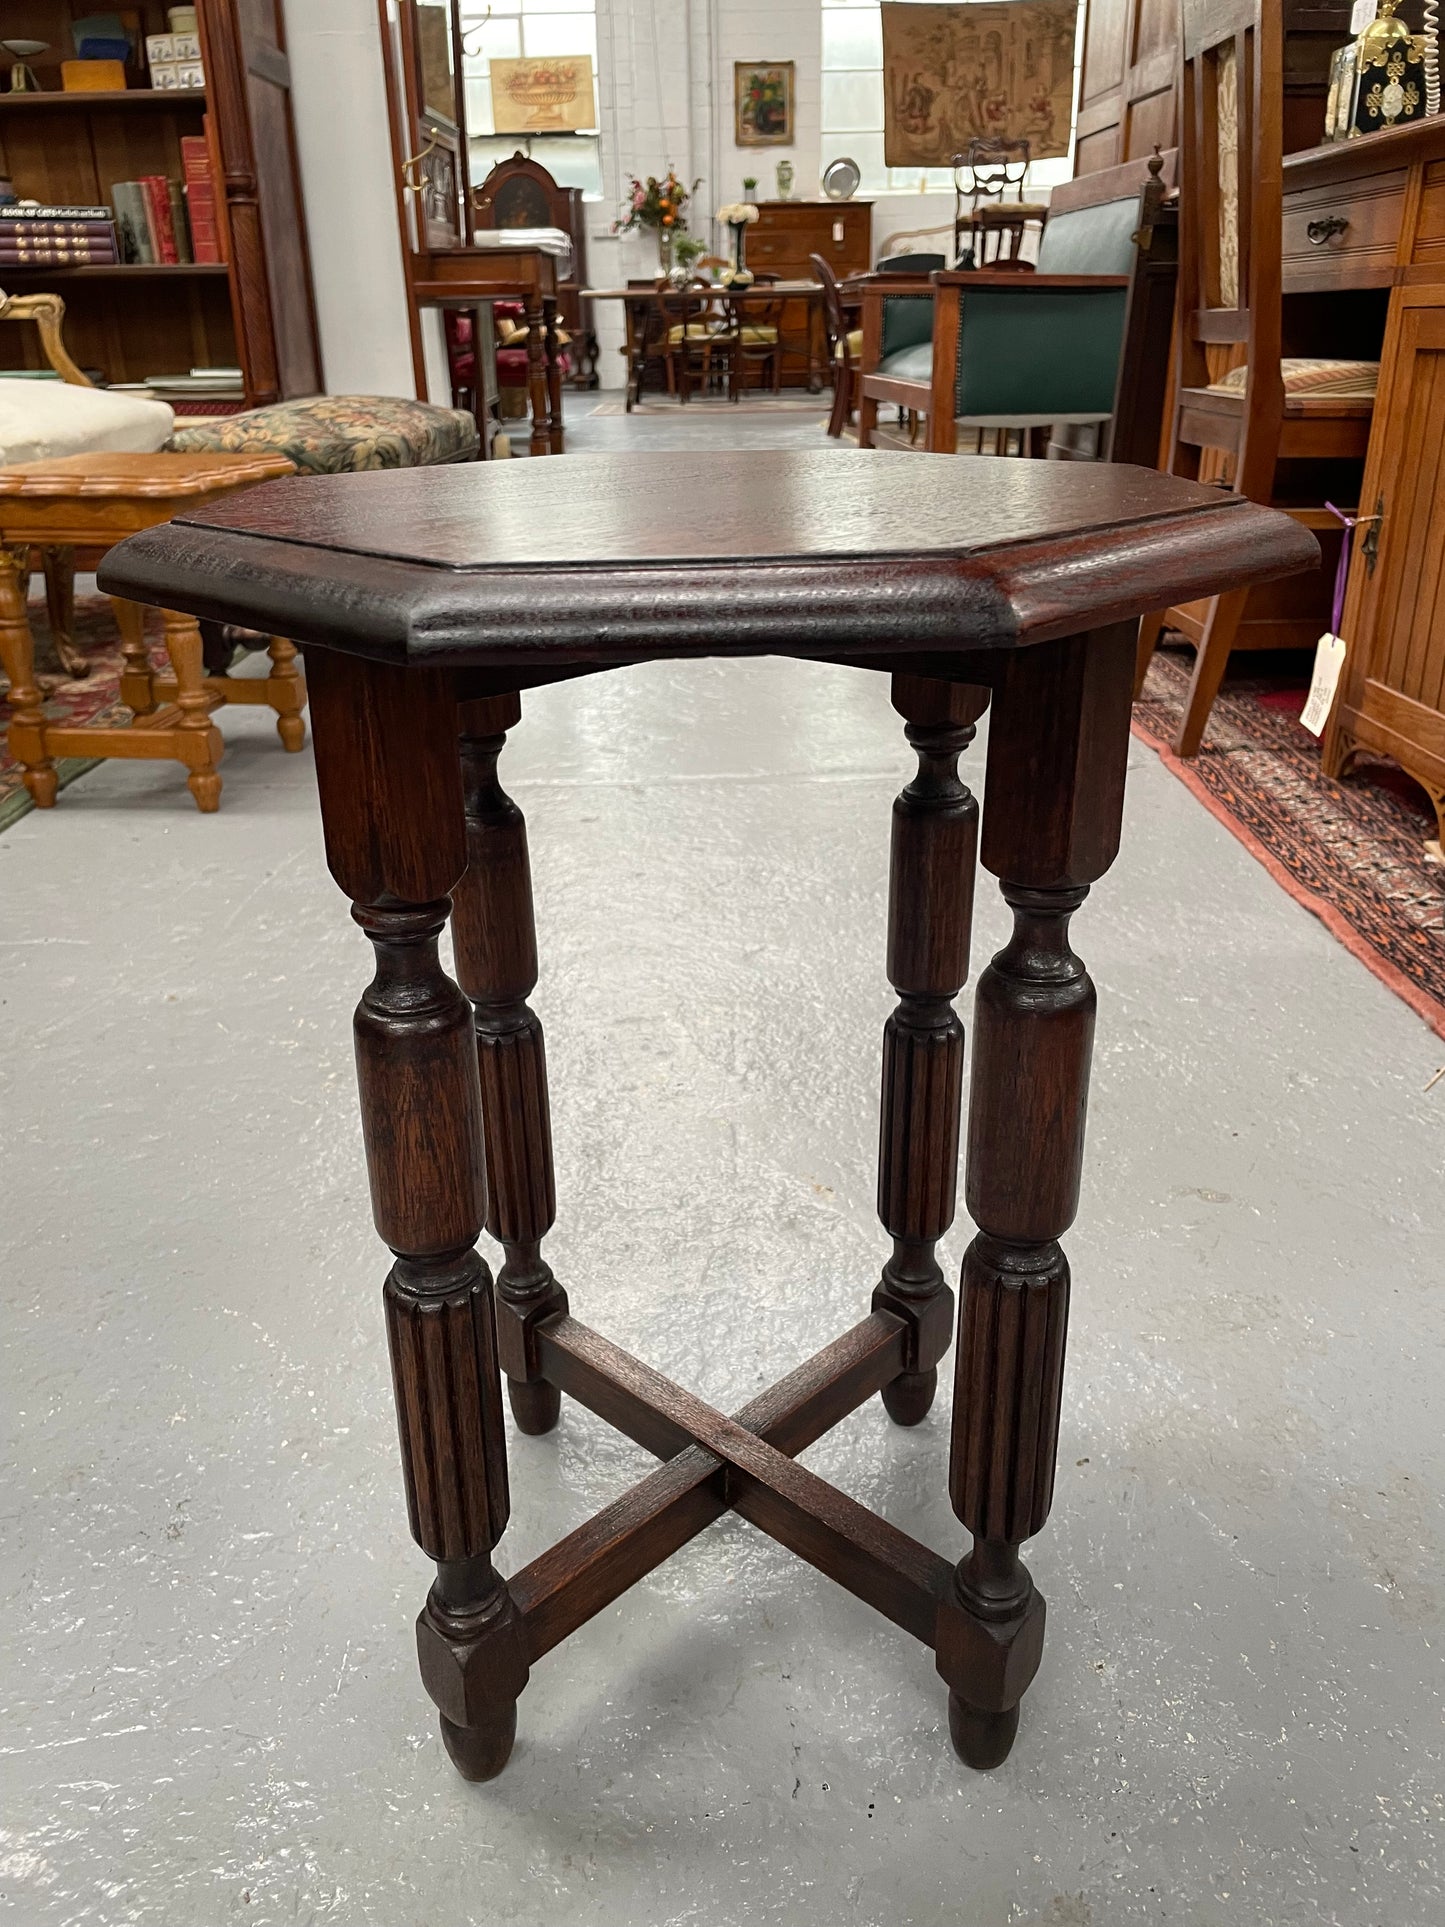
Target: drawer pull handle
pixel 1319 232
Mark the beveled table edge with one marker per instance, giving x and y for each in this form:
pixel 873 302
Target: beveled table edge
pixel 493 615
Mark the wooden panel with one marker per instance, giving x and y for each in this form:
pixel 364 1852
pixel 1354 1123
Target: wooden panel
pixel 1429 245
pixel 1128 86
pixel 1362 255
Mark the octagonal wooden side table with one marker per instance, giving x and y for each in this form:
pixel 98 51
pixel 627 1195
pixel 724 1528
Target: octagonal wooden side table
pixel 428 601
pixel 91 502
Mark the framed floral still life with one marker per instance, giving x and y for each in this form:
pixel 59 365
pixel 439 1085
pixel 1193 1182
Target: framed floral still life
pixel 763 103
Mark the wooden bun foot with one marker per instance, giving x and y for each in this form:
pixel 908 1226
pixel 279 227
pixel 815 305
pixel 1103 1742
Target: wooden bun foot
pixel 536 1405
pixel 480 1752
pixel 981 1740
pixel 909 1397
pixel 292 731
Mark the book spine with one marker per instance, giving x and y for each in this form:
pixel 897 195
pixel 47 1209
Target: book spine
pixel 180 224
pixel 22 211
pixel 55 230
pixel 158 208
pixel 58 254
pixel 130 212
pixel 200 199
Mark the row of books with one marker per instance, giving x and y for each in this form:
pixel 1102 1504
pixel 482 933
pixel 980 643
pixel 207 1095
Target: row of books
pixel 171 221
pixel 33 235
pixel 152 220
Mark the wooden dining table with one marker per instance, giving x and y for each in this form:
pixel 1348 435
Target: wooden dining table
pixel 757 292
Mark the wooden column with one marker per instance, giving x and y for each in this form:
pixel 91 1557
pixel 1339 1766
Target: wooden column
pixel 555 438
pixel 395 841
pixel 1057 750
pixel 26 736
pixel 496 947
pixel 930 915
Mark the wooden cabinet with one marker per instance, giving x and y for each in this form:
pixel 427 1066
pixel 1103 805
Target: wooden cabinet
pixel 1392 699
pixel 255 309
pixel 784 235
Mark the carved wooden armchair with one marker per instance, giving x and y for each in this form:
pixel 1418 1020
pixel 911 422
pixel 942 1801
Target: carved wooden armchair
pixel 47 312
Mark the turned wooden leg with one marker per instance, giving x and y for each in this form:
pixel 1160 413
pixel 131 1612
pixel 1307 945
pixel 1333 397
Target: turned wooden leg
pixel 137 679
pixel 391 803
pixel 59 565
pixel 930 913
pixel 199 741
pixel 286 690
pixel 1058 746
pixel 555 441
pixel 26 737
pixel 496 948
pixel 541 442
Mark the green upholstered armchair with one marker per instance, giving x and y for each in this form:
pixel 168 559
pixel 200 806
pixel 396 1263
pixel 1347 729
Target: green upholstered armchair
pixel 1075 342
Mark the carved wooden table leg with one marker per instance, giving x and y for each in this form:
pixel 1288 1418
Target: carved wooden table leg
pixel 26 735
pixel 286 693
pixel 59 565
pixel 1057 750
pixel 555 437
pixel 541 442
pixel 199 744
pixel 496 946
pixel 137 679
pixel 395 841
pixel 930 913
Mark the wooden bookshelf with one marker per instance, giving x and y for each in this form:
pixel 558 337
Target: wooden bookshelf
pixel 252 311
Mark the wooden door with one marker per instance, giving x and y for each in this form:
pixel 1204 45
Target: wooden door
pixel 1129 86
pixel 248 80
pixel 1394 695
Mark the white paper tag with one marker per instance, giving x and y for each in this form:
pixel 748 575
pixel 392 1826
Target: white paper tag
pixel 1362 14
pixel 1329 661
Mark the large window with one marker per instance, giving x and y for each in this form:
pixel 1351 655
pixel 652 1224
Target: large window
pixel 510 29
pixel 853 105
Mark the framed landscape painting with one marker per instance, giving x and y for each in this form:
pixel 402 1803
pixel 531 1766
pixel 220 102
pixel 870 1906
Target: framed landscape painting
pixel 763 103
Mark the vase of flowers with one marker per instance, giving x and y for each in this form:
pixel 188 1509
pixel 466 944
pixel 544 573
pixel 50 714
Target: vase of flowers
pixel 739 216
pixel 656 206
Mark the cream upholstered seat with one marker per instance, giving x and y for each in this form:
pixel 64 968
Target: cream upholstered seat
pixel 40 420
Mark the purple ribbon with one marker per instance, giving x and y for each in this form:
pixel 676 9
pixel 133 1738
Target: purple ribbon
pixel 1342 567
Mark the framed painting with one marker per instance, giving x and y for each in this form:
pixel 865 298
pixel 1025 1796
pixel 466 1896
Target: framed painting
pixel 763 103
pixel 998 69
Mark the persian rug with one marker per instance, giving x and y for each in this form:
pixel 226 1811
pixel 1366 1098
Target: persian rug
pixel 1359 852
pixel 96 699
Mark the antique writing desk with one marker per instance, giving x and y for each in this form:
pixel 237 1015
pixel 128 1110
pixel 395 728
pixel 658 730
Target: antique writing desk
pixel 460 277
pixel 427 600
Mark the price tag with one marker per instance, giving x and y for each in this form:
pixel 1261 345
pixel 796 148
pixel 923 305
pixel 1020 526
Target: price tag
pixel 1361 15
pixel 1329 661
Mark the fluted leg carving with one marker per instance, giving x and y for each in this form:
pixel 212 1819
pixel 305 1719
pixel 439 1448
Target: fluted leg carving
pixel 1055 791
pixel 930 908
pixel 496 945
pixel 392 809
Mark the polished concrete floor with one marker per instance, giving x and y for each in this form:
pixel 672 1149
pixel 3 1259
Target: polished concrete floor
pixel 211 1713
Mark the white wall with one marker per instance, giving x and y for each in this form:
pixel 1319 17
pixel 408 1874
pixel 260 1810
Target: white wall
pixel 754 30
pixel 338 95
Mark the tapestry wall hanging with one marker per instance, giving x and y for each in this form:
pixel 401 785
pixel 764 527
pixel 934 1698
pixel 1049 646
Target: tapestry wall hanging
pixel 1001 70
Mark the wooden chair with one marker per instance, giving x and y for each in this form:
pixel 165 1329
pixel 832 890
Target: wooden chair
pixel 700 336
pixel 47 313
pixel 844 346
pixel 1273 408
pixel 992 227
pixel 760 342
pixel 1082 342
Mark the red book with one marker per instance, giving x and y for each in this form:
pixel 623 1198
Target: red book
pixel 200 198
pixel 158 211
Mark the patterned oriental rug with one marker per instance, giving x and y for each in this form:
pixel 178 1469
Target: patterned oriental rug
pixel 1359 853
pixel 94 700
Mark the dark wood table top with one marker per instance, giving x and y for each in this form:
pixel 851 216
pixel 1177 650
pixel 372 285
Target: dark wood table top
pixel 614 558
